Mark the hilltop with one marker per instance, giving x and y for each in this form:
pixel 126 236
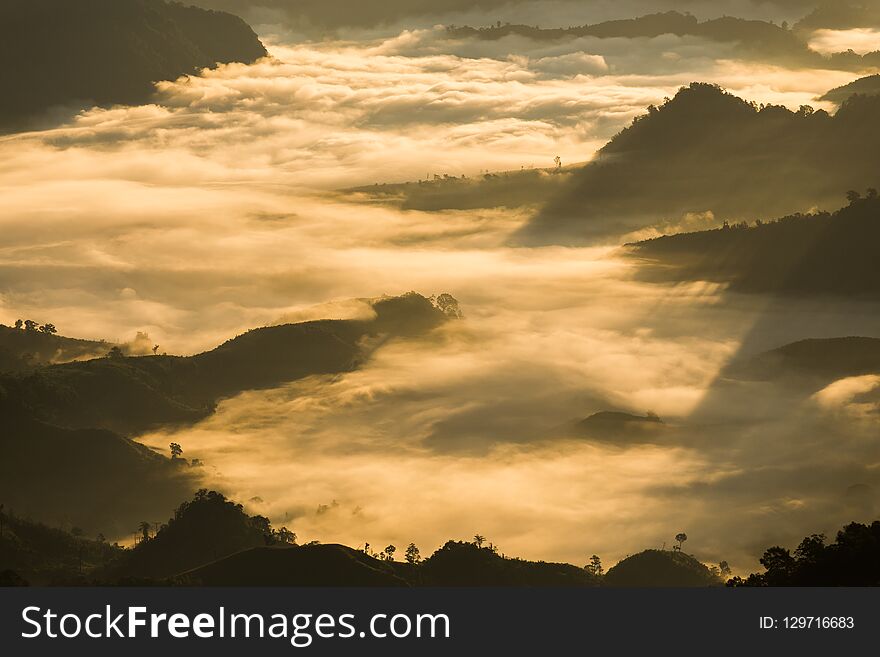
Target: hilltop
pixel 661 568
pixel 708 153
pixel 65 55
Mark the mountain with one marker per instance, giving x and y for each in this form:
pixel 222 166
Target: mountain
pixel 307 565
pixel 62 427
pixel 22 349
pixel 840 15
pixel 813 254
pixel 817 360
pixel 454 564
pixel 319 17
pixel 63 54
pixel 466 564
pixel 660 568
pixel 751 39
pixel 133 394
pixel 207 528
pixel 867 86
pixel 504 189
pixel 90 478
pixel 707 151
pixel 32 553
pixel 617 427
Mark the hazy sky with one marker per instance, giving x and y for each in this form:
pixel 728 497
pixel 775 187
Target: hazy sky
pixel 215 210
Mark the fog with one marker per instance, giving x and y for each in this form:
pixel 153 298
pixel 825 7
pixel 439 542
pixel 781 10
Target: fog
pixel 217 209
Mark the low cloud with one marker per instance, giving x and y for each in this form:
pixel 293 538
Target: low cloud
pixel 212 211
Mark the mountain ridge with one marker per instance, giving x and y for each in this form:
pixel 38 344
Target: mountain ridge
pixel 107 52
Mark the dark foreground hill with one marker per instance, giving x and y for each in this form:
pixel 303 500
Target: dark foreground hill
pixel 63 427
pixel 307 565
pixel 207 528
pixel 455 564
pixel 660 568
pixel 802 254
pixel 466 564
pixel 852 559
pixel 72 54
pixel 707 151
pixel 35 554
pixel 91 478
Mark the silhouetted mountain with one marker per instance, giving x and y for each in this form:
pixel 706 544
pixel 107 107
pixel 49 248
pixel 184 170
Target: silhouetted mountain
pixel 306 565
pixel 323 16
pixel 620 427
pixel 818 361
pixel 504 189
pixel 101 52
pixel 867 86
pixel 91 478
pixel 853 559
pixel 32 553
pixel 133 394
pixel 203 530
pixel 816 254
pixel 751 39
pixel 660 568
pixel 62 462
pixel 22 349
pixel 840 15
pixel 465 564
pixel 709 151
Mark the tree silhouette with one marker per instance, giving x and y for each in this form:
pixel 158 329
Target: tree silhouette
pixel 389 553
pixel 681 538
pixel 285 536
pixel 19 324
pixel 852 196
pixel 176 450
pixel 595 566
pixel 412 554
pixel 144 529
pixel 49 329
pixel 30 325
pixel 478 540
pixel 115 353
